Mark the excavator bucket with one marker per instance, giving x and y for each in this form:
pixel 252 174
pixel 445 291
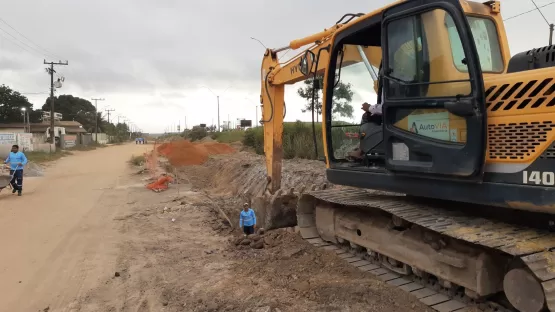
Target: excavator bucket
pixel 279 210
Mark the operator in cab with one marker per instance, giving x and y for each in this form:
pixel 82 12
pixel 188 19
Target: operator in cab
pixel 372 114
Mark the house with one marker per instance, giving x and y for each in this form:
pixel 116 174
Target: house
pixel 12 128
pixel 71 127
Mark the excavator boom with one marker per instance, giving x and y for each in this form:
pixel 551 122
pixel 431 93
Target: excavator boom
pixel 275 76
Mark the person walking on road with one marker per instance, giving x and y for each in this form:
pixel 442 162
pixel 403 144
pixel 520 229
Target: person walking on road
pixel 247 219
pixel 17 160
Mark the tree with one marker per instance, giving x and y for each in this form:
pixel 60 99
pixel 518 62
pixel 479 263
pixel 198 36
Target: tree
pixel 78 109
pixel 342 97
pixel 11 103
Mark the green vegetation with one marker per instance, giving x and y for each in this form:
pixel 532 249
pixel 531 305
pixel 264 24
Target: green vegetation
pixel 137 160
pixel 229 136
pixel 42 157
pixel 341 101
pixel 12 101
pixel 298 140
pixel 197 133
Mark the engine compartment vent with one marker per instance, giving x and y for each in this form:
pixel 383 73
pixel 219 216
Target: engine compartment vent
pixel 532 59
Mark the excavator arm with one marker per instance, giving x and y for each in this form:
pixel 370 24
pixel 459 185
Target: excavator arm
pixel 274 77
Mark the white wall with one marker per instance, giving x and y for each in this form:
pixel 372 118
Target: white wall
pixel 102 138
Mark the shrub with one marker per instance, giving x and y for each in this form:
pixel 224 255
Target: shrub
pixel 197 133
pixel 137 160
pixel 229 136
pixel 298 139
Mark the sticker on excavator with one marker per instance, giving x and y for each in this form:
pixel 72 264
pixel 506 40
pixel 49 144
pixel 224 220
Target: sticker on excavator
pixel 400 151
pixel 434 125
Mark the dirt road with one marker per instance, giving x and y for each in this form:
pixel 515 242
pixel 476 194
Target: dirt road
pixel 58 240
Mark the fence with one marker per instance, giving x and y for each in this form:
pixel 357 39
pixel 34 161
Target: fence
pixel 27 142
pixel 102 138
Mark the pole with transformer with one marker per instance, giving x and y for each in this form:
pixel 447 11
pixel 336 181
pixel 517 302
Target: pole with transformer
pixel 51 72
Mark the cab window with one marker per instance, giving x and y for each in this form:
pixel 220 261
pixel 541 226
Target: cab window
pixel 485 39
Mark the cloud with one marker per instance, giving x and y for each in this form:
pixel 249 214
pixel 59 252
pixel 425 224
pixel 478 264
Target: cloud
pixel 149 58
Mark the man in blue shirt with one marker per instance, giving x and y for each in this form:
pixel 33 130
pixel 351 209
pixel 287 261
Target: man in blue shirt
pixel 247 220
pixel 17 160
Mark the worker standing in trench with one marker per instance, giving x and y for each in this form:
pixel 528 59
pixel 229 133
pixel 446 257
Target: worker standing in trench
pixel 247 220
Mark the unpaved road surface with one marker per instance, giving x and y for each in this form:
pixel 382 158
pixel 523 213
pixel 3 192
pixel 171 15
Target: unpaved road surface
pixel 58 239
pixel 88 236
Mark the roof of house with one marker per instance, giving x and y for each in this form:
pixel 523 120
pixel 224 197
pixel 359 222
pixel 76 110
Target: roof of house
pixel 70 125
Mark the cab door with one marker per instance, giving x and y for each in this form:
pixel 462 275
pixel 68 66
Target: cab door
pixel 433 100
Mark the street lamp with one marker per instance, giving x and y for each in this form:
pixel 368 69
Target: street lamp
pixel 25 119
pixel 218 99
pixel 256 111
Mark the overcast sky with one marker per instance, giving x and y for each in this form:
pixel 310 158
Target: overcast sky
pixel 149 59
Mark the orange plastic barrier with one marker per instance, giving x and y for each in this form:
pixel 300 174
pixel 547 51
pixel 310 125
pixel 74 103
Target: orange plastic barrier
pixel 160 184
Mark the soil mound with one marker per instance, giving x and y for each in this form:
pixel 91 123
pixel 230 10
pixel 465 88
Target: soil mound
pixel 186 153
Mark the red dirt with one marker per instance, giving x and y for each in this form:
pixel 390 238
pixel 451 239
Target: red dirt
pixel 186 153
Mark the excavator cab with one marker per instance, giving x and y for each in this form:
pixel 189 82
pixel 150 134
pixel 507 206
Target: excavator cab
pixel 434 116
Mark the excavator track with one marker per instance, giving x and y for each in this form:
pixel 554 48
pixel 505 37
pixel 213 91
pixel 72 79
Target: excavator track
pixel 449 260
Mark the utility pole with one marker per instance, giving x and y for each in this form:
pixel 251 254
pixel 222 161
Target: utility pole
pixel 108 113
pixel 218 113
pixel 551 26
pixel 96 117
pixel 51 71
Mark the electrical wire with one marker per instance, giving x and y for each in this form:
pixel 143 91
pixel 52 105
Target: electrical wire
pixel 31 41
pixel 25 44
pixel 537 8
pixel 44 92
pixel 18 45
pixel 545 19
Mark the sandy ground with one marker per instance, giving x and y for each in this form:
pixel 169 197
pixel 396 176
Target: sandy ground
pixel 89 237
pixel 58 240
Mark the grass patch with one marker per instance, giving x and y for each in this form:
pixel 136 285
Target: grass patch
pixel 298 139
pixel 137 160
pixel 42 157
pixel 229 136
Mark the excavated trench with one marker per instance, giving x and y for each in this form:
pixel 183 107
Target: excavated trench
pixel 242 176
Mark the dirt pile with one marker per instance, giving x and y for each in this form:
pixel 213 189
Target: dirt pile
pixel 261 239
pixel 294 270
pixel 186 153
pixel 243 174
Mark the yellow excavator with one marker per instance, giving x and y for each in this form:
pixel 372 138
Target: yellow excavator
pixel 455 185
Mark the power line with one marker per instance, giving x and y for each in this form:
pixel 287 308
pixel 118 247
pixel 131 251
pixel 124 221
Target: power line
pixel 24 93
pixel 540 12
pixel 537 8
pixel 35 49
pixel 22 35
pixel 15 43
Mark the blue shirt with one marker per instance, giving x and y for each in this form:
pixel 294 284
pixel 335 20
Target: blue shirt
pixel 247 218
pixel 14 159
